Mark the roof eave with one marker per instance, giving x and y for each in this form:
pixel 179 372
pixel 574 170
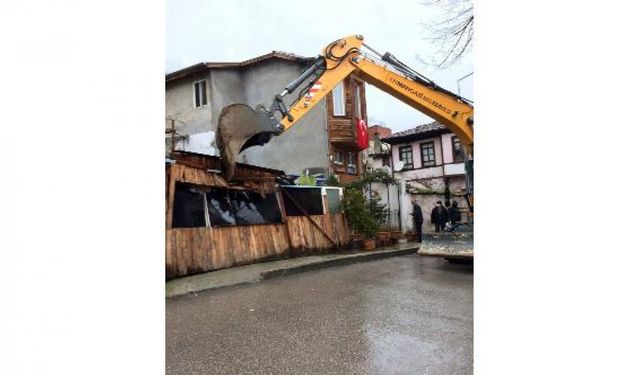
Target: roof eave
pixel 394 140
pixel 204 66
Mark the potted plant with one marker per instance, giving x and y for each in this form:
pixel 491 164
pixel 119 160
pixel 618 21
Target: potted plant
pixel 379 213
pixel 369 244
pixel 358 213
pixel 369 230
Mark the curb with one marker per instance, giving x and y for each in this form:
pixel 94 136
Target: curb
pixel 336 262
pixel 285 271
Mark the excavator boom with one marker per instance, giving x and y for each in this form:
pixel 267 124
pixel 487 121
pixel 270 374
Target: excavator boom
pixel 240 127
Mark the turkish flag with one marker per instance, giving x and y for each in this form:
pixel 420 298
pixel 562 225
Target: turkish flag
pixel 362 136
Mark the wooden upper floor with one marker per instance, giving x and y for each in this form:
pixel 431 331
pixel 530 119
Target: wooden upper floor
pixel 346 105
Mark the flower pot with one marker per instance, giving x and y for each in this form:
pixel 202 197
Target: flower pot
pixel 369 244
pixel 383 236
pixel 396 235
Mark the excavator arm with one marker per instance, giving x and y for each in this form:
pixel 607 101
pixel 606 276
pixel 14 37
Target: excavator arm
pixel 240 127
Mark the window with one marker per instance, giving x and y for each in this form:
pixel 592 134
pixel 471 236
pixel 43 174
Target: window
pixel 352 158
pixel 210 207
pixel 189 207
pixel 296 199
pixel 358 102
pixel 457 149
pixel 337 159
pixel 428 152
pixel 333 199
pixel 351 167
pixel 200 94
pixel 385 161
pixel 406 155
pixel 247 208
pixel 338 100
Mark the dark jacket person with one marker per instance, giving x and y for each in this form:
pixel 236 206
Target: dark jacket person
pixel 417 219
pixel 439 216
pixel 454 213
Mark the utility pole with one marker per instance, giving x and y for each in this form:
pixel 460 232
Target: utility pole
pixel 468 166
pixel 173 135
pixel 468 75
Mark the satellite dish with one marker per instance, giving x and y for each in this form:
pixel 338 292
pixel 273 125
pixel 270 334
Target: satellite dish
pixel 398 167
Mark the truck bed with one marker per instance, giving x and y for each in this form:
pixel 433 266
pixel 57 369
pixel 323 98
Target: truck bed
pixel 451 246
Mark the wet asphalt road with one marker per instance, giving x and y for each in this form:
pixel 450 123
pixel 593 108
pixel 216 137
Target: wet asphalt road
pixel 402 315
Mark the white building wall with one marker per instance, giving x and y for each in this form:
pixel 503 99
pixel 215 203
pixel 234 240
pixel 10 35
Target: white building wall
pixel 453 169
pixel 201 143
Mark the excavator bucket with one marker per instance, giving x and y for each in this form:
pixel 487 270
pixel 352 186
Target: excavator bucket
pixel 240 127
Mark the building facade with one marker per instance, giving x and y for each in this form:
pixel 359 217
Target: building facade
pixel 428 162
pixel 324 141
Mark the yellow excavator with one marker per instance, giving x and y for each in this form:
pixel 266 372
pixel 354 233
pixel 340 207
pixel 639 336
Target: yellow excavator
pixel 240 126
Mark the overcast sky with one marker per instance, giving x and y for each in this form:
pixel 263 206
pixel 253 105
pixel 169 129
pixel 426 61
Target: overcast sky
pixel 201 30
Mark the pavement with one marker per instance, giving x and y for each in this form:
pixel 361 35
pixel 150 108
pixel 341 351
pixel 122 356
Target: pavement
pixel 258 272
pixel 400 315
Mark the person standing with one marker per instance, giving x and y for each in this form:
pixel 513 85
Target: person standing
pixel 454 213
pixel 439 216
pixel 417 219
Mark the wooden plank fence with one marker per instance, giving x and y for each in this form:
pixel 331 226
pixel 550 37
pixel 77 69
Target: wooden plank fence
pixel 195 250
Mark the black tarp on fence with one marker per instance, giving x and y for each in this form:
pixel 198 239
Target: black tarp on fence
pixel 203 207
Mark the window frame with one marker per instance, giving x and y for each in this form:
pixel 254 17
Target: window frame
pixel 350 156
pixel 198 84
pixel 453 150
pixel 338 157
pixel 342 99
pixel 422 160
pixel 351 167
pixel 400 153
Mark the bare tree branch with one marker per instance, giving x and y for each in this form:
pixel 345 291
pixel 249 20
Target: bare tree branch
pixel 454 34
